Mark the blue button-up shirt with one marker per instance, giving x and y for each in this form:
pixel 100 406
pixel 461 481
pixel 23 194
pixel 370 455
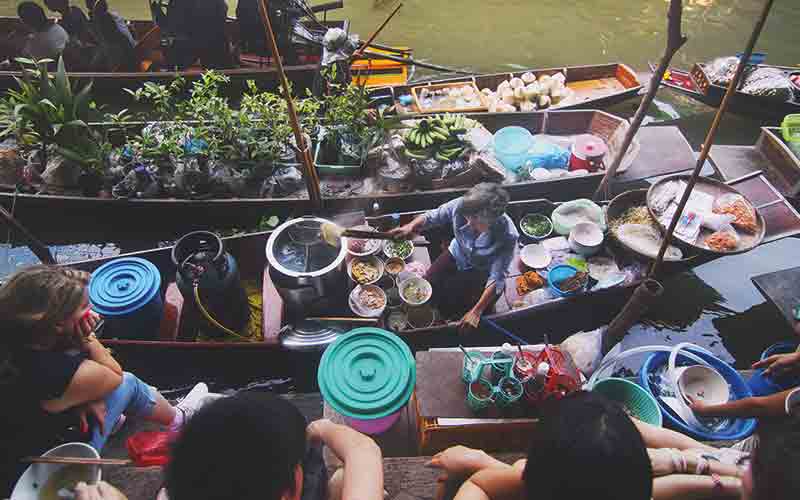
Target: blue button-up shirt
pixel 492 250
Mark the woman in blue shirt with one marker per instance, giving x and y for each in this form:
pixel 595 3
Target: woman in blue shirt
pixel 470 275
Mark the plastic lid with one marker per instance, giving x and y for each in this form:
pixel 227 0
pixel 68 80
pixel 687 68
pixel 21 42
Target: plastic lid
pixel 123 286
pixel 590 146
pixel 367 374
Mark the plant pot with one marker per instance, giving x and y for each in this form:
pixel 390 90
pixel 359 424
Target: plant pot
pixel 329 160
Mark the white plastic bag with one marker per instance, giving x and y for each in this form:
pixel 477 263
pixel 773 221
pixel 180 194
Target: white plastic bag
pixel 586 350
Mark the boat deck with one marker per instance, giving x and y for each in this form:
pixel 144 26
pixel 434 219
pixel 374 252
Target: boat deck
pixel 782 289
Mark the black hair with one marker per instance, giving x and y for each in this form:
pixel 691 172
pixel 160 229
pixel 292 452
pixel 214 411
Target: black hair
pixel 776 460
pixel 587 447
pixel 245 447
pixel 33 15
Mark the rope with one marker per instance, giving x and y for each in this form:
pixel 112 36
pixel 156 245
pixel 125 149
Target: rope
pixel 211 320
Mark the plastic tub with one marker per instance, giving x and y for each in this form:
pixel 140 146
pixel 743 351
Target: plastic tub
pixel 127 293
pixel 638 402
pixel 511 145
pixel 35 477
pixel 736 430
pixel 559 274
pixel 764 386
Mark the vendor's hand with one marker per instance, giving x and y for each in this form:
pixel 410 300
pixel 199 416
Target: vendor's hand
pixel 471 320
pixel 459 462
pixel 95 409
pixel 779 364
pixel 404 232
pixel 700 407
pixel 100 491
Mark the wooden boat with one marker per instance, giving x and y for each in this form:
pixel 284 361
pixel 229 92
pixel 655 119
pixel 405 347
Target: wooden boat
pixel 697 85
pixel 663 150
pixel 253 67
pixel 593 86
pixel 770 154
pixel 176 344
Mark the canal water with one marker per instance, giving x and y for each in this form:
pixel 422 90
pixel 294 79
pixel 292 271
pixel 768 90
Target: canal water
pixel 715 305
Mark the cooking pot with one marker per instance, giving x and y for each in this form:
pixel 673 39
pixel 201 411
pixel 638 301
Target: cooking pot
pixel 306 271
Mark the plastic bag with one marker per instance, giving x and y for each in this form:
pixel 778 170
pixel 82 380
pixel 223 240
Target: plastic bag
pixel 768 82
pixel 744 216
pixel 586 350
pixel 721 70
pixel 716 222
pixel 338 46
pixel 149 448
pixel 545 154
pixel 724 240
pixel 568 214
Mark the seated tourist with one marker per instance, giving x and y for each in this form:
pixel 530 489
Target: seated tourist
pixel 197 33
pixel 470 275
pixel 119 21
pixel 73 20
pixel 115 50
pixel 256 446
pixel 48 38
pixel 55 373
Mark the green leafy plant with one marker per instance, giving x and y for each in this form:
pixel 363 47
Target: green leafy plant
pixel 164 99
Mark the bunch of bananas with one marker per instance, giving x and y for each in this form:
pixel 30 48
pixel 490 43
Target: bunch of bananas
pixel 437 137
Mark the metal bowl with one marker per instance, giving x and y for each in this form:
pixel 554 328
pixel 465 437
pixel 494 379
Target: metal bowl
pixel 361 309
pixel 371 247
pixel 535 217
pixel 375 261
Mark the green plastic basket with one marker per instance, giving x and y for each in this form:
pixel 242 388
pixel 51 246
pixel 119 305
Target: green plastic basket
pixel 790 128
pixel 636 401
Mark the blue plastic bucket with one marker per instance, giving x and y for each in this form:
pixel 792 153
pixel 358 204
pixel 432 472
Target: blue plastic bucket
pixel 755 57
pixel 736 430
pixel 764 386
pixel 559 274
pixel 127 293
pixel 511 145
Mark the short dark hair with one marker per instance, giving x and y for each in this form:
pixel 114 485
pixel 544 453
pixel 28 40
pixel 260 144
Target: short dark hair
pixel 587 447
pixel 32 14
pixel 487 201
pixel 245 447
pixel 776 460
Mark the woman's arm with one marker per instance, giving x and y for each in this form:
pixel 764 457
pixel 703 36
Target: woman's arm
pixel 681 487
pixel 473 317
pixel 92 381
pixel 773 405
pixel 493 484
pixel 99 354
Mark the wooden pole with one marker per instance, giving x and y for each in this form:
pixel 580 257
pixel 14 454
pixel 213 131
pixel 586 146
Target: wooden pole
pixel 712 132
pixel 36 246
pixel 360 51
pixel 309 172
pixel 675 41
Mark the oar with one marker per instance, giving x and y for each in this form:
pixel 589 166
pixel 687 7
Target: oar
pixel 333 233
pixel 76 461
pixel 360 51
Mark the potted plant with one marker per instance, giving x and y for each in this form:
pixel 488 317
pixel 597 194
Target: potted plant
pixel 345 123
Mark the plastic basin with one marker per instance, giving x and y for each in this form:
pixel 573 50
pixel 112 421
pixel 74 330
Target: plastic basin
pixel 511 145
pixel 764 386
pixel 736 430
pixel 559 274
pixel 35 477
pixel 638 402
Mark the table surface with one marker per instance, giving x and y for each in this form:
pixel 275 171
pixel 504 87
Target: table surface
pixel 782 288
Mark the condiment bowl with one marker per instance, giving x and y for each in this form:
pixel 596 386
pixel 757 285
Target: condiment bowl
pixel 586 238
pixel 394 266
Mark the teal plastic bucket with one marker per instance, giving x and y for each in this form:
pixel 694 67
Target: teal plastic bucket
pixel 511 146
pixel 636 401
pixel 368 375
pixel 127 293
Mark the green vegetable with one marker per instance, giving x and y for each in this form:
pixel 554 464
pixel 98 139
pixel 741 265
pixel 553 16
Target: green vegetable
pixel 399 248
pixel 536 226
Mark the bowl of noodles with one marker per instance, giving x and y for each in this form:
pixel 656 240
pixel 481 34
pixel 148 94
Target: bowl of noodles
pixel 365 270
pixel 415 291
pixel 53 481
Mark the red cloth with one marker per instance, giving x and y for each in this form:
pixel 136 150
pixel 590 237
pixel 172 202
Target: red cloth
pixel 148 448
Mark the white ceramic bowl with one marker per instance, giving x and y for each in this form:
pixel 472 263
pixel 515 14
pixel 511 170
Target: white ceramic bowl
pixel 702 383
pixel 422 283
pixel 535 256
pixel 371 247
pixel 35 477
pixel 362 310
pixel 374 260
pixel 586 238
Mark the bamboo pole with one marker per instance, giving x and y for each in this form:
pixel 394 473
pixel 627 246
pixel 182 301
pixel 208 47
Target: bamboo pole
pixel 712 132
pixel 358 53
pixel 675 41
pixel 36 246
pixel 310 173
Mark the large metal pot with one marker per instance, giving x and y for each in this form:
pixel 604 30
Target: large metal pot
pixel 306 271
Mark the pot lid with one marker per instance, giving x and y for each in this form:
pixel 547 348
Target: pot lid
pixel 123 285
pixel 590 146
pixel 368 373
pixel 296 248
pixel 310 336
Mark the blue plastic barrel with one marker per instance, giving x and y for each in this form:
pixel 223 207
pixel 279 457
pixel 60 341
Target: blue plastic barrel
pixel 764 386
pixel 127 293
pixel 736 430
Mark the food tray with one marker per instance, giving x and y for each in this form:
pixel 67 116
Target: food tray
pixel 716 189
pixel 482 107
pixel 623 202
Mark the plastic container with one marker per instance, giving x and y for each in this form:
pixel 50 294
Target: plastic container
pixel 472 366
pixel 500 370
pixel 35 477
pixel 511 145
pixel 509 391
pixel 636 401
pixel 127 293
pixel 790 129
pixel 559 274
pixel 764 386
pixel 479 395
pixel 735 430
pixel 755 57
pixel 367 375
pixel 702 383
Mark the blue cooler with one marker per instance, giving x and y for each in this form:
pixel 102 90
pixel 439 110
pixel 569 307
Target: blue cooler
pixel 127 293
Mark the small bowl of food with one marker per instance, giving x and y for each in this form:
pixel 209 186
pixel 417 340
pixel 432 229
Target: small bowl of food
pixel 365 270
pixel 368 301
pixel 361 247
pixel 401 249
pixel 586 238
pixel 394 266
pixel 397 321
pixel 415 291
pixel 536 226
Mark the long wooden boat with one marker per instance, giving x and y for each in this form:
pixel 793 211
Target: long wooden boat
pixel 176 344
pixel 770 154
pixel 697 85
pixel 253 67
pixel 662 150
pixel 593 86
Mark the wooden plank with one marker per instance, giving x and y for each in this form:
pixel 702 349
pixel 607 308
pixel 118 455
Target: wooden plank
pixel 664 150
pixel 782 289
pixel 732 162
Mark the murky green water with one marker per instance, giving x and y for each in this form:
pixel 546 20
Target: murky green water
pixel 716 305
